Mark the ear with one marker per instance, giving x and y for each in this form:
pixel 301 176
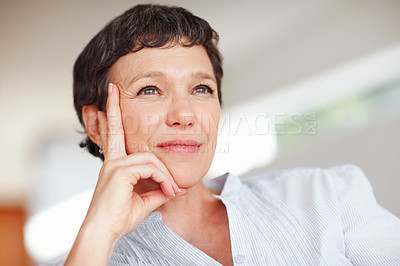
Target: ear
pixel 89 116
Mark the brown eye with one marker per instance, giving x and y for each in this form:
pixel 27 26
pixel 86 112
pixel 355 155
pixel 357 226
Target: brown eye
pixel 148 90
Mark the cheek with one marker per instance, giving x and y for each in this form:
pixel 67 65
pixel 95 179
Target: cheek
pixel 210 121
pixel 140 126
pixel 130 118
pixel 131 122
pixel 216 116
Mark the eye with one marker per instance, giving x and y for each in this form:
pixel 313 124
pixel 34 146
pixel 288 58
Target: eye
pixel 203 89
pixel 148 90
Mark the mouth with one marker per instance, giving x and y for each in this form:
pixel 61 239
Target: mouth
pixel 180 146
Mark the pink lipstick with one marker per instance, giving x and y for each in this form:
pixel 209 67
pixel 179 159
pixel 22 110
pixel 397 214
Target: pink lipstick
pixel 180 146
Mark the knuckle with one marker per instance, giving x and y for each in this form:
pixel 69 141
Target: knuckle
pixel 119 126
pixel 109 103
pixel 151 157
pixel 148 154
pixel 118 172
pixel 111 129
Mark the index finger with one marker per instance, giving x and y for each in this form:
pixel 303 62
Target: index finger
pixel 115 143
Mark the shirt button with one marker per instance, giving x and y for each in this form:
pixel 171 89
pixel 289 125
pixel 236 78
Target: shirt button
pixel 239 259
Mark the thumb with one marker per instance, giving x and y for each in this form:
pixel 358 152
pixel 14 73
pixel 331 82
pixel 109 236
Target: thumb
pixel 154 199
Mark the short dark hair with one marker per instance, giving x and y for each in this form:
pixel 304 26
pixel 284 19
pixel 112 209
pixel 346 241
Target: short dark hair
pixel 139 27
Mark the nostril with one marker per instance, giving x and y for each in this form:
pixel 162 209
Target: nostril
pixel 178 118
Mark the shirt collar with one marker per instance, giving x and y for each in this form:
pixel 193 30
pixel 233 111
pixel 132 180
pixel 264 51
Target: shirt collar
pixel 228 183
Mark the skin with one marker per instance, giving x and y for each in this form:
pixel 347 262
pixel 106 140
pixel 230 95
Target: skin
pixel 157 95
pixel 177 108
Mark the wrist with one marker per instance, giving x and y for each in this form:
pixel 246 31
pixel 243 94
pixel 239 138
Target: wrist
pixel 93 246
pixel 97 230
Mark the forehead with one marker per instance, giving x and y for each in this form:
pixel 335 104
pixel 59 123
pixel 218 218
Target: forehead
pixel 177 61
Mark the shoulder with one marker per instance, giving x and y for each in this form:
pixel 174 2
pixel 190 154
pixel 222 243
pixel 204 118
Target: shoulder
pixel 304 173
pixel 301 182
pixel 316 195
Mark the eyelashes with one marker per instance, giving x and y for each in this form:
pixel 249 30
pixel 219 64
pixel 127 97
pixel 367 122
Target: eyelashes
pixel 149 90
pixel 207 88
pixel 154 90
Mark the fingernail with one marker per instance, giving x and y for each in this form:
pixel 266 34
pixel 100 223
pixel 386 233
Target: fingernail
pixel 110 87
pixel 179 190
pixel 174 195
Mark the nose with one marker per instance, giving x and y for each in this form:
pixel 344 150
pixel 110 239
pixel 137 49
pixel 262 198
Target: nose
pixel 180 114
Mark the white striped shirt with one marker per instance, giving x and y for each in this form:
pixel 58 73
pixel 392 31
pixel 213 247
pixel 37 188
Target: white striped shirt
pixel 301 216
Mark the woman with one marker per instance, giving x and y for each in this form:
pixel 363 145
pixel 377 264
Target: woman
pixel 155 126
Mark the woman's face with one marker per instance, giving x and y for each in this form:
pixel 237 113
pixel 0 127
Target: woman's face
pixel 170 106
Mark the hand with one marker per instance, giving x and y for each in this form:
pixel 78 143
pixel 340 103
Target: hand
pixel 116 209
pixel 115 205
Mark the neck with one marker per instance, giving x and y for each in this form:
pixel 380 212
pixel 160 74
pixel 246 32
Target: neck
pixel 196 206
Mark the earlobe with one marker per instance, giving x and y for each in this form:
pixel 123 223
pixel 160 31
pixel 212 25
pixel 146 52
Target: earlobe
pixel 89 116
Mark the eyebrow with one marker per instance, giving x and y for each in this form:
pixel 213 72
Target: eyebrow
pixel 203 75
pixel 153 74
pixel 159 75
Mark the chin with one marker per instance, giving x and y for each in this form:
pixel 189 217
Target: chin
pixel 186 175
pixel 186 169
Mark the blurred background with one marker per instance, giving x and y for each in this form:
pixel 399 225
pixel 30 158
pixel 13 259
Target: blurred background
pixel 307 84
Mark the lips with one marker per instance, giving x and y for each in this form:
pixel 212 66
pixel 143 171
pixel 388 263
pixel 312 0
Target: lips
pixel 180 146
